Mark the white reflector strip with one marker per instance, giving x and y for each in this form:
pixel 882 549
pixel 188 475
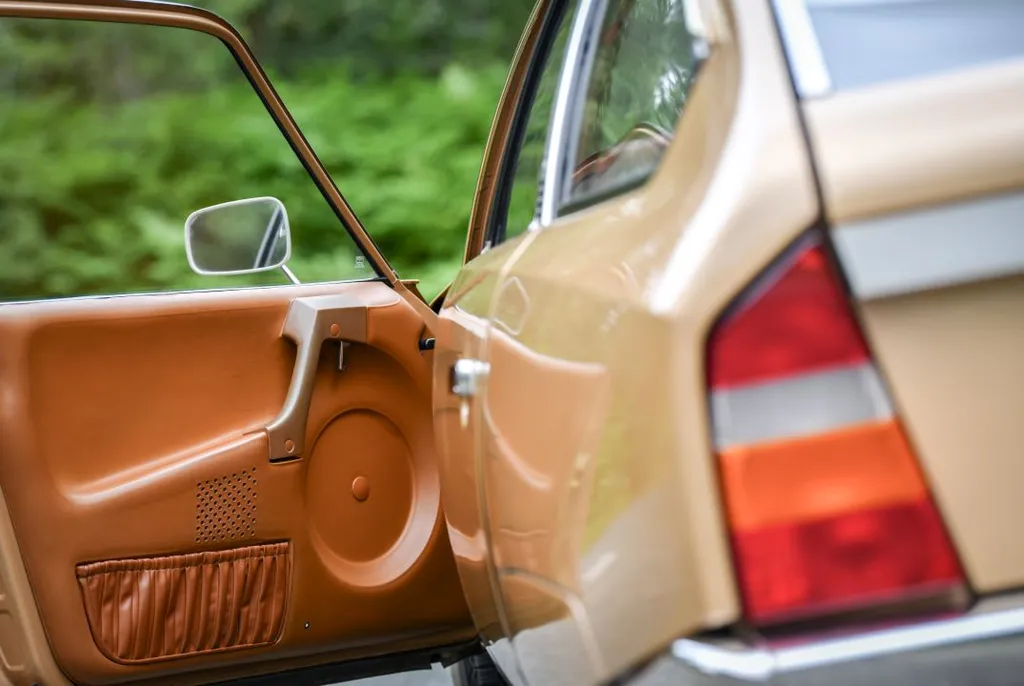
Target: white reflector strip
pixel 933 248
pixel 803 405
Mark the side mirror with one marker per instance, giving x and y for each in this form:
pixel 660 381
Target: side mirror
pixel 238 237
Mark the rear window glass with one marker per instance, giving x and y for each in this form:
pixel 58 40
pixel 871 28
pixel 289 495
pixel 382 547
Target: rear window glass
pixel 871 41
pixel 645 64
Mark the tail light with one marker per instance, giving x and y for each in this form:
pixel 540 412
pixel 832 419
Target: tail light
pixel 828 510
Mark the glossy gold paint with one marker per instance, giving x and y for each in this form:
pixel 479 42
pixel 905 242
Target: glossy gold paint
pixel 602 515
pixel 603 520
pixel 952 356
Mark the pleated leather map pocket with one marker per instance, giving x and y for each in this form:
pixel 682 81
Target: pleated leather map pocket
pixel 155 608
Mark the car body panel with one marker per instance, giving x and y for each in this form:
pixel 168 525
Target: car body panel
pixel 931 173
pixel 606 515
pixel 865 142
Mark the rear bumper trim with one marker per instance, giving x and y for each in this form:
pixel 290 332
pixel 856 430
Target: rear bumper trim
pixel 763 664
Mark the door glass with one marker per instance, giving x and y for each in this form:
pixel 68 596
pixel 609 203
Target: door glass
pixel 111 135
pixel 644 66
pixel 527 154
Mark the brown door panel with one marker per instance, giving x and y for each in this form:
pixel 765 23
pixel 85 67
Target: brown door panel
pixel 131 428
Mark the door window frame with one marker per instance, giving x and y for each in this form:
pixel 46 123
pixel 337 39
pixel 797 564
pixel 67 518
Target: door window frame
pixel 543 30
pixel 574 59
pixel 497 221
pixel 567 120
pixel 567 115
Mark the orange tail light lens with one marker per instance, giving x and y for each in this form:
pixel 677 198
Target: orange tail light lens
pixel 827 507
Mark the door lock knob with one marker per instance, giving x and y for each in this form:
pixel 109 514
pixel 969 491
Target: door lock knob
pixel 466 376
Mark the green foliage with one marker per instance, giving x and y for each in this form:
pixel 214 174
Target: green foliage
pixel 114 133
pixel 406 154
pixel 374 39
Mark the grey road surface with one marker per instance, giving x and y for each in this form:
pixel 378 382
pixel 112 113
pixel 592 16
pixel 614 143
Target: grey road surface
pixel 435 677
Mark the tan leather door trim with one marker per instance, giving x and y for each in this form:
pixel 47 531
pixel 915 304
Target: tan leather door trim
pixel 132 428
pixel 151 608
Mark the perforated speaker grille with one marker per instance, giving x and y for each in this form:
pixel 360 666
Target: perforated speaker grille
pixel 226 507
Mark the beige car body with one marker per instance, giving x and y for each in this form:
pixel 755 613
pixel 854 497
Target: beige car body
pixel 609 517
pixel 570 514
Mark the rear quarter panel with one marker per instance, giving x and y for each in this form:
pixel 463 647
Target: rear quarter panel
pixel 930 172
pixel 618 545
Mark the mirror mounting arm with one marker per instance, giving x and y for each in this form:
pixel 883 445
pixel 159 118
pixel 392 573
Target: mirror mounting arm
pixel 310 322
pixel 291 275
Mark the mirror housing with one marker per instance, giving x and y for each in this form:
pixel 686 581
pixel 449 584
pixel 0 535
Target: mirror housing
pixel 238 237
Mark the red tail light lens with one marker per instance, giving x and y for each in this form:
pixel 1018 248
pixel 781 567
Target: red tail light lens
pixel 827 507
pixel 864 556
pixel 799 324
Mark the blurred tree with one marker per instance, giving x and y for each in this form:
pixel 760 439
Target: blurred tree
pixel 375 39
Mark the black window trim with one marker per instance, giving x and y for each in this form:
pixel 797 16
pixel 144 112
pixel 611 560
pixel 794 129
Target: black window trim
pixel 497 222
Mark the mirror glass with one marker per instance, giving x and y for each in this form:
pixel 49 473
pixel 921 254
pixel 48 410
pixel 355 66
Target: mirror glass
pixel 238 237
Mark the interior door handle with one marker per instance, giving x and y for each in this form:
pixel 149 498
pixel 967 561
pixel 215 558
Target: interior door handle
pixel 309 323
pixel 467 375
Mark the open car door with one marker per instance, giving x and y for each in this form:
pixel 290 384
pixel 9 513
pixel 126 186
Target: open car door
pixel 207 485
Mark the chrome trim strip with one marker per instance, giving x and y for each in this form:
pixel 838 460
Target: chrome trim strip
pixel 578 101
pixel 557 132
pixel 806 60
pixel 760 664
pixel 798 406
pixel 952 244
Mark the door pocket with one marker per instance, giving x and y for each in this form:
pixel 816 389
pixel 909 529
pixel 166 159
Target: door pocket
pixel 156 608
